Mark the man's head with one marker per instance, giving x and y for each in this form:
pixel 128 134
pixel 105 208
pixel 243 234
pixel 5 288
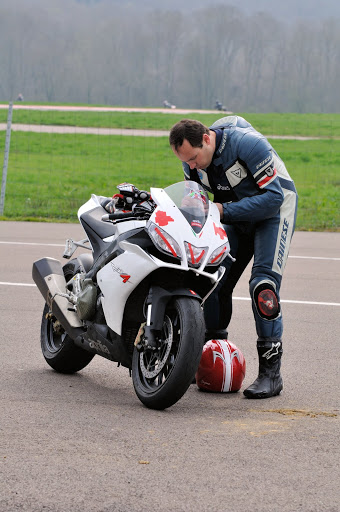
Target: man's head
pixel 193 143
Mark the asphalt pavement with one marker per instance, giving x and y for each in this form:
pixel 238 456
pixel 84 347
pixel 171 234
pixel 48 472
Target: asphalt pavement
pixel 84 443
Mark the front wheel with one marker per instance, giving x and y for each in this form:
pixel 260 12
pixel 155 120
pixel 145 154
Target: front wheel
pixel 162 376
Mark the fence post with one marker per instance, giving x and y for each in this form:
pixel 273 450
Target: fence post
pixel 6 154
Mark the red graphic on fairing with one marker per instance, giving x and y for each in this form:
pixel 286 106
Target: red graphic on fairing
pixel 125 277
pixel 220 232
pixel 162 219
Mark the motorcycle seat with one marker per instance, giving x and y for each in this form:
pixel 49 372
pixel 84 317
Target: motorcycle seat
pixel 93 219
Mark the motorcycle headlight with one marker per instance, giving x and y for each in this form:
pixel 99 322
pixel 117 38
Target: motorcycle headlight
pixel 218 255
pixel 194 254
pixel 164 242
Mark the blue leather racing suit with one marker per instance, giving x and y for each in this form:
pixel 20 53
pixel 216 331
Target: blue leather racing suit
pixel 259 203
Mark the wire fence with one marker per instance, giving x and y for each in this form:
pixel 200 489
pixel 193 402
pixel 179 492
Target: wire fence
pixel 56 159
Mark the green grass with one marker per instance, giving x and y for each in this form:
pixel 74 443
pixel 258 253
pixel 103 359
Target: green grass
pixel 51 175
pixel 315 168
pixel 318 125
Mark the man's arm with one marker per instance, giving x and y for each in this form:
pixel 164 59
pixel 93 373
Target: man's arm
pixel 252 209
pixel 256 152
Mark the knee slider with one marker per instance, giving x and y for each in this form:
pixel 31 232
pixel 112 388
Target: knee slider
pixel 266 300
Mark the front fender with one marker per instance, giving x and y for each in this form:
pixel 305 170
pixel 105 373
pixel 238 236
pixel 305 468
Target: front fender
pixel 160 297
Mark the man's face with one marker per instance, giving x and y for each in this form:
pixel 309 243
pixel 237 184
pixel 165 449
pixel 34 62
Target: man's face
pixel 196 158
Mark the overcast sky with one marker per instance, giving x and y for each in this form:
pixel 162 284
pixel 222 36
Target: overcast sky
pixel 284 10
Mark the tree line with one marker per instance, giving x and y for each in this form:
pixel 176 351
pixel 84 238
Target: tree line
pixel 64 51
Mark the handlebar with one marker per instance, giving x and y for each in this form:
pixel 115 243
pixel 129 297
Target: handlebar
pixel 118 215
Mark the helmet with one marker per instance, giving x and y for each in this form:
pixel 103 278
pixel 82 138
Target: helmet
pixel 222 367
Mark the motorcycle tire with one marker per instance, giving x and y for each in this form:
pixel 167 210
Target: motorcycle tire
pixel 162 376
pixel 57 347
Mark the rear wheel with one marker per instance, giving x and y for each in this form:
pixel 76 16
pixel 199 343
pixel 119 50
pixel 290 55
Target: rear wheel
pixel 162 376
pixel 57 347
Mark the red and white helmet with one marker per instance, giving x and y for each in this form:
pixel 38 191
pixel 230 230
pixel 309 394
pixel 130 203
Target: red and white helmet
pixel 222 367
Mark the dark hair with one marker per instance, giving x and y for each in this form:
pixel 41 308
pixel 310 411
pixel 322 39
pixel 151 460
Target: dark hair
pixel 190 130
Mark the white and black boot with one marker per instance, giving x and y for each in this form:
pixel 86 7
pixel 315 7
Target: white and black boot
pixel 269 381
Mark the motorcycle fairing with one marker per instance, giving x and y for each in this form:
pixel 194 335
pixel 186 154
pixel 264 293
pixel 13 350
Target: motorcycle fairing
pixel 121 276
pixel 211 236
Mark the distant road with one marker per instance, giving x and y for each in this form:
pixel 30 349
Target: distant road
pixel 70 108
pixel 96 131
pixel 115 131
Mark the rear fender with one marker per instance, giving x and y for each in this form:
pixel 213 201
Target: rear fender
pixel 86 260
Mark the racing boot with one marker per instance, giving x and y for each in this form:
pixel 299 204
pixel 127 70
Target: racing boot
pixel 269 381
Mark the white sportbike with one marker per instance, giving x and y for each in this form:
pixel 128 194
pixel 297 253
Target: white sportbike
pixel 135 294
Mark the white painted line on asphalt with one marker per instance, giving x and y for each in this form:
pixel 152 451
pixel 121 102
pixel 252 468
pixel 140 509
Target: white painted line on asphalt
pixel 63 245
pixel 235 298
pixel 314 303
pixel 315 258
pixel 311 302
pixel 32 243
pixel 16 284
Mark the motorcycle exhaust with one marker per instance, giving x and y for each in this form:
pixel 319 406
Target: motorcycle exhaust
pixel 48 275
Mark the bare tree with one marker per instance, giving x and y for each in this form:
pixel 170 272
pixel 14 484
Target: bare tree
pixel 115 53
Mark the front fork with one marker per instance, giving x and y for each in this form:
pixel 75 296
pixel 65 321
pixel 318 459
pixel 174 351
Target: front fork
pixel 156 303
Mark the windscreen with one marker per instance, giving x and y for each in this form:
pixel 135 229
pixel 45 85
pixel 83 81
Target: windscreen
pixel 192 201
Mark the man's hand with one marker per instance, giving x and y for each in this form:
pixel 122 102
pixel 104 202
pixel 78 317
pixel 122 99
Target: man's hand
pixel 220 209
pixel 191 202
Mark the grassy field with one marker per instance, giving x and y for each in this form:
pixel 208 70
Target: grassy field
pixel 50 175
pixel 317 125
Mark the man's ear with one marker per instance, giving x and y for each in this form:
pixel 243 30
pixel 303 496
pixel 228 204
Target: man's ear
pixel 206 138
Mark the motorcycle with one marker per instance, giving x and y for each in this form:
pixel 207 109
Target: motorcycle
pixel 167 104
pixel 219 106
pixel 135 294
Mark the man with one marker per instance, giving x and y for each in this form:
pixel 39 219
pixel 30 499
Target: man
pixel 257 202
